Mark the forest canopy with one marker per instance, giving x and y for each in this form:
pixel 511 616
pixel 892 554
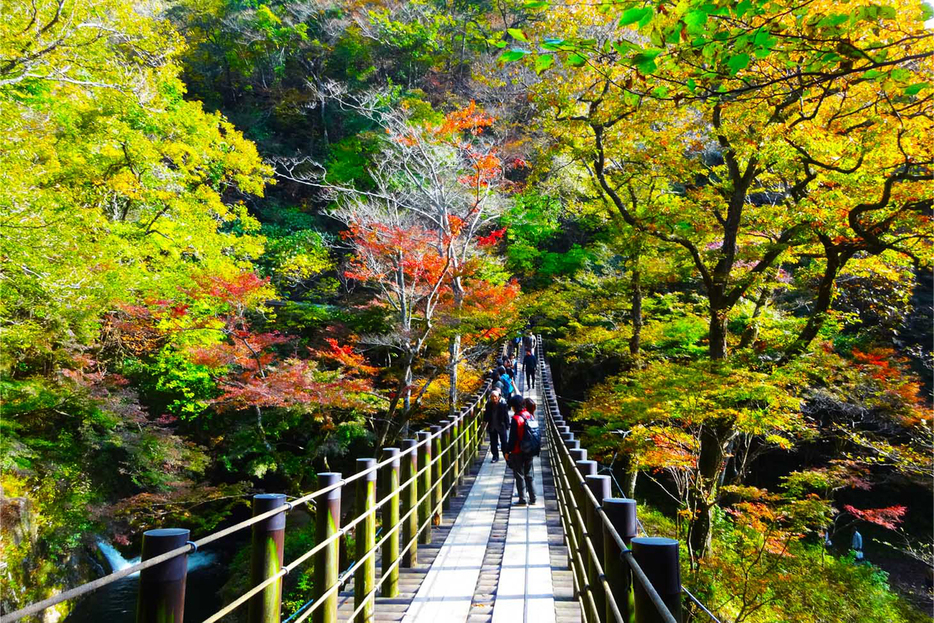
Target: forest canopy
pixel 244 242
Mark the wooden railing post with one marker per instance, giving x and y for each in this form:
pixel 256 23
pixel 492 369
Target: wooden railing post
pixel 364 577
pixel 266 552
pixel 600 487
pixel 390 517
pixel 468 444
pixel 409 498
pixel 447 457
pixel 327 560
pixel 658 558
pixel 436 474
pixel 622 514
pixel 161 597
pixel 458 448
pixel 424 485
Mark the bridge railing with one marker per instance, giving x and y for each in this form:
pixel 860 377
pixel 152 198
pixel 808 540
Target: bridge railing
pixel 433 467
pixel 618 576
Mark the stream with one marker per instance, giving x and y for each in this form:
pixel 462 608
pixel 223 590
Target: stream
pixel 116 603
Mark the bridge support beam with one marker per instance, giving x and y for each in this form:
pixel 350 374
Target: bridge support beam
pixel 389 587
pixel 266 552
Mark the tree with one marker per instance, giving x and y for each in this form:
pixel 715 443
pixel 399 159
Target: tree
pixel 415 232
pixel 742 179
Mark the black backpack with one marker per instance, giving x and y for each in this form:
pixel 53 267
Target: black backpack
pixel 531 443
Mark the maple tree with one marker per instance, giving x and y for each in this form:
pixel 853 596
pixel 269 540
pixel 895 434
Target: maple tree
pixel 746 181
pixel 415 232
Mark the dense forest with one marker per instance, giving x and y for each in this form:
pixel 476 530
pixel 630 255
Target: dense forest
pixel 244 242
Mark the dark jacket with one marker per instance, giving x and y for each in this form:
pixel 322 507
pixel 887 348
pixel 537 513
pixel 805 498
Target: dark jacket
pixel 496 416
pixel 530 362
pixel 527 342
pixel 516 430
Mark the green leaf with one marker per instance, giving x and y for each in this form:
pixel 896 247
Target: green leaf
pixel 645 60
pixel 576 60
pixel 538 4
pixel 543 62
pixel 692 86
pixel 764 39
pixel 512 55
pixel 737 63
pixel 500 44
pixel 516 34
pixel 695 20
pixel 553 44
pixel 633 15
pixel 927 12
pixel 887 12
pixel 622 46
pixel 831 21
pixel 914 89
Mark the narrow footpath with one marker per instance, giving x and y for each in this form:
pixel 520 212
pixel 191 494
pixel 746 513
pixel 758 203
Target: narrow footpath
pixel 500 563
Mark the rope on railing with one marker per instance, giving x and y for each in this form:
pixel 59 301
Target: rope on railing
pixel 192 546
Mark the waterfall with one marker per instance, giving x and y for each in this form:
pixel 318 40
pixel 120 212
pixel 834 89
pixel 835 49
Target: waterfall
pixel 114 558
pixel 117 562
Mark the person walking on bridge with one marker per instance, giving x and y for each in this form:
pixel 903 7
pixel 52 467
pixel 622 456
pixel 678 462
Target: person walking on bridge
pixel 496 416
pixel 517 458
pixel 529 364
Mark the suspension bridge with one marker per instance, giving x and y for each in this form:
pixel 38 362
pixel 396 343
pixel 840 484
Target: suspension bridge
pixel 450 546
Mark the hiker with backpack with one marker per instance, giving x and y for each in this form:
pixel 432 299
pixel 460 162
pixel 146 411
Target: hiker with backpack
pixel 524 444
pixel 509 383
pixel 496 416
pixel 498 383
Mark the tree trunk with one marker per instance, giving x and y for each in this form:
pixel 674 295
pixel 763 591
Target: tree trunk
pixel 714 440
pixel 635 342
pixel 717 339
pixel 454 353
pixel 752 331
pixel 835 261
pixel 630 475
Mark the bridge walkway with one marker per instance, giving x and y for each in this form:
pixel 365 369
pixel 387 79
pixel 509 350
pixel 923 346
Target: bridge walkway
pixel 498 563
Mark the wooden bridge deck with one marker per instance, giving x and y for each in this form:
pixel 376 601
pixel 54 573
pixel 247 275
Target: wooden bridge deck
pixel 489 561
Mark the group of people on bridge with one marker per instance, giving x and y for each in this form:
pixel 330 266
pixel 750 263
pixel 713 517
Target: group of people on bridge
pixel 517 434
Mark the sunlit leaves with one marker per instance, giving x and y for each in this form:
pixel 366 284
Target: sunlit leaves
pixel 543 62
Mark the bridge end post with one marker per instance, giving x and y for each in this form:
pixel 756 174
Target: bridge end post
pixel 161 596
pixel 266 556
pixel 390 516
pixel 327 560
pixel 658 558
pixel 364 541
